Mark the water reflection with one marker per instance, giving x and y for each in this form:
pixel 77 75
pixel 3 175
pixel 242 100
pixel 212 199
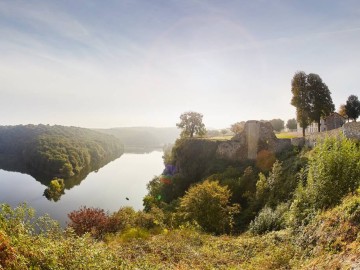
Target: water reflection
pixel 55 190
pixel 45 179
pixel 108 188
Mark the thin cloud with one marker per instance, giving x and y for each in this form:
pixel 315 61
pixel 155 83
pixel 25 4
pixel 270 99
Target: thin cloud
pixel 44 18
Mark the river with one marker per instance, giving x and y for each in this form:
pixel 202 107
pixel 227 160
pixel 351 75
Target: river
pixel 121 182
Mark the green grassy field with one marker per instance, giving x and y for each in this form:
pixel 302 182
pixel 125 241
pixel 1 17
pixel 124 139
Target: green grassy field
pixel 282 135
pixel 287 135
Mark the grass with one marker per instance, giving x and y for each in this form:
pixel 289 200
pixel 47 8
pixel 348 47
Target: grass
pixel 221 138
pixel 287 135
pixel 282 135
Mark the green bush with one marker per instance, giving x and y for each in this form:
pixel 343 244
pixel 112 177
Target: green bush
pixel 134 233
pixel 208 204
pixel 269 220
pixel 333 172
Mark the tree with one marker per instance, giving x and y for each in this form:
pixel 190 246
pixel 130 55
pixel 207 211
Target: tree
pixel 224 131
pixel 277 124
pixel 321 104
pixel 237 127
pixel 291 124
pixel 191 124
pixel 213 133
pixel 342 111
pixel 301 99
pixel 208 204
pixel 352 107
pixel 311 97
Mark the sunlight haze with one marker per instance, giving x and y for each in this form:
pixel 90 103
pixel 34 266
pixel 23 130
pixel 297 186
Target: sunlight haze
pixel 104 64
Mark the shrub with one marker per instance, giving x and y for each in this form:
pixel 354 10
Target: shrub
pixel 123 219
pixel 334 171
pixel 134 233
pixel 265 160
pixel 7 252
pixel 269 220
pixel 89 220
pixel 208 204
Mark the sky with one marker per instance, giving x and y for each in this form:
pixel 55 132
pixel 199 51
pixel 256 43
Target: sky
pixel 102 64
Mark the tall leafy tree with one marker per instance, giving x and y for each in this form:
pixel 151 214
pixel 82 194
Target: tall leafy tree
pixel 321 103
pixel 301 99
pixel 291 123
pixel 277 124
pixel 352 107
pixel 191 124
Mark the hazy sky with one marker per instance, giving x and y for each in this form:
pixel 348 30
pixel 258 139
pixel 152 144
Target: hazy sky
pixel 142 63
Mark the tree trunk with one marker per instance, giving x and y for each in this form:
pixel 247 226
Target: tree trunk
pixel 303 131
pixel 192 131
pixel 319 125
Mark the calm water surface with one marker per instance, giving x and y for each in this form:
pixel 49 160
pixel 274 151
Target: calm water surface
pixel 125 177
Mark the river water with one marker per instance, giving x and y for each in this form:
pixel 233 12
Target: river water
pixel 121 182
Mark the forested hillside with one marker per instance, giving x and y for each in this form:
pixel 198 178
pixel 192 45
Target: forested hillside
pixel 46 152
pixel 146 137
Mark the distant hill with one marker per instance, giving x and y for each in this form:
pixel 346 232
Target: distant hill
pixel 46 152
pixel 146 137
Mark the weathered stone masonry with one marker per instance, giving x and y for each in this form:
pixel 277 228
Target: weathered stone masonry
pixel 255 137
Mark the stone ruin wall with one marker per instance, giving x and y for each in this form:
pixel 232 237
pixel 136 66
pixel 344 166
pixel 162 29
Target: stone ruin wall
pixel 258 136
pixel 349 130
pixel 252 133
pixel 255 137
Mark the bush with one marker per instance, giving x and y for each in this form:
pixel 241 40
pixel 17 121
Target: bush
pixel 208 204
pixel 7 252
pixel 89 220
pixel 269 220
pixel 134 233
pixel 334 171
pixel 123 219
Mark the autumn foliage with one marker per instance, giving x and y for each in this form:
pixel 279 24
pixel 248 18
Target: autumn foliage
pixel 89 220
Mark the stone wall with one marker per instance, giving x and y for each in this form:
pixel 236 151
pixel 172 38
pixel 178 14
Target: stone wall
pixel 232 151
pixel 252 133
pixel 256 136
pixel 352 130
pixel 349 130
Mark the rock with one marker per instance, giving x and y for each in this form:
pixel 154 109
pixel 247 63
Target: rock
pixel 352 130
